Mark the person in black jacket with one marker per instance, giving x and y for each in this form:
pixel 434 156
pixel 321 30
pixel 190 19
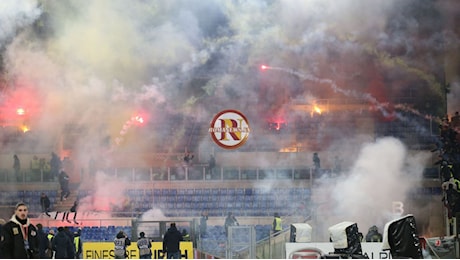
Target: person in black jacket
pixel 42 241
pixel 45 203
pixel 19 237
pixel 171 242
pixel 74 210
pixel 62 245
pixel 64 183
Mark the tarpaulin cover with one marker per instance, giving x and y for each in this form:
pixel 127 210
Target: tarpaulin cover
pixel 346 238
pixel 401 238
pixel 300 232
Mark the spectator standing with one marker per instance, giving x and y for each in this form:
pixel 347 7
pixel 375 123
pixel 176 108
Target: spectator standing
pixel 16 165
pixel 78 244
pixel 171 242
pixel 185 235
pixel 62 245
pixel 71 249
pixel 211 163
pixel 73 209
pixel 64 183
pixel 277 224
pixel 45 203
pixel 203 223
pixel 188 157
pixel 144 246
pixel 316 162
pixel 47 171
pixel 35 166
pixel 42 241
pixel 230 220
pixel 19 236
pixel 50 238
pixel 121 243
pixel 55 165
pixel 455 120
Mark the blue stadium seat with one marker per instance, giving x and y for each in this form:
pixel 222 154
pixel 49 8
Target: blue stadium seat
pixel 196 198
pixel 247 205
pixel 148 192
pixel 239 191
pixel 188 198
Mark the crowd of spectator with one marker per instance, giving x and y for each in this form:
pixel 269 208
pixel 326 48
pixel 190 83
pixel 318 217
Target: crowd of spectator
pixel 448 149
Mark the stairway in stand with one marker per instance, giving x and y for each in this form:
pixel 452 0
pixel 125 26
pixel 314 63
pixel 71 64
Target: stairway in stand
pixel 65 205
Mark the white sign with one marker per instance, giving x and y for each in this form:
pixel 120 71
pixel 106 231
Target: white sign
pixel 297 250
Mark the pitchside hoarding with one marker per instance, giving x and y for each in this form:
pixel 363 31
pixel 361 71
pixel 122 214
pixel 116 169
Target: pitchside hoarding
pixel 297 250
pixel 105 250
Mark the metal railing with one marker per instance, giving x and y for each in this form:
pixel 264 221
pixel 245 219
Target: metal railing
pixel 199 172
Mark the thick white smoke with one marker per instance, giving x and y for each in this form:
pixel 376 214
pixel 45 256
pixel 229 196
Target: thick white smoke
pixel 375 189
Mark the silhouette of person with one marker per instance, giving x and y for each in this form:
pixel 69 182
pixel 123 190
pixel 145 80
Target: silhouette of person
pixel 16 165
pixel 64 182
pixel 203 223
pixel 316 162
pixel 230 220
pixel 45 203
pixel 171 242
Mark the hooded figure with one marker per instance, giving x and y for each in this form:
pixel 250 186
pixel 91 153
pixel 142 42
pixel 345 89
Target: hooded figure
pixel 171 242
pixel 62 245
pixel 19 237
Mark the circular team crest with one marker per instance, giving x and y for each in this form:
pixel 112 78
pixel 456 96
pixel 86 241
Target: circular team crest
pixel 229 129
